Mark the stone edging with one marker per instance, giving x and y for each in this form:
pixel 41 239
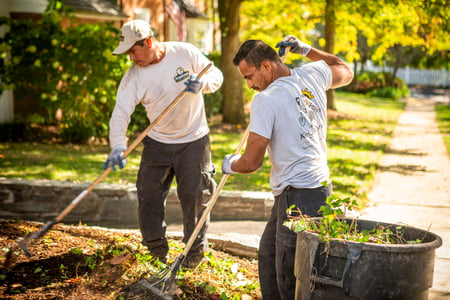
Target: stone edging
pixel 113 204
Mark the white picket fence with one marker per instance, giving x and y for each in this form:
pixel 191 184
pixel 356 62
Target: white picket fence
pixel 435 78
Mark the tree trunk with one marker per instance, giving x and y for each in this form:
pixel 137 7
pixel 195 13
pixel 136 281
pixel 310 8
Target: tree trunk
pixel 398 54
pixel 355 70
pixel 329 43
pixel 232 88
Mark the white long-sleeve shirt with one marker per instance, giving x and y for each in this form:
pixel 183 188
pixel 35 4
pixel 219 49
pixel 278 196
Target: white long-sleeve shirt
pixel 156 86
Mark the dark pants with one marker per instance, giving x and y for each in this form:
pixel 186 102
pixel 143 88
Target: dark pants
pixel 190 164
pixel 276 255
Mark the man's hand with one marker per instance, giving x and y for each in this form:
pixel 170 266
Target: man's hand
pixel 193 85
pixel 115 158
pixel 227 161
pixel 295 44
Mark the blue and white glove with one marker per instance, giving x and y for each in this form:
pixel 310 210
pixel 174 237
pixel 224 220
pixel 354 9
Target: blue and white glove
pixel 227 161
pixel 296 45
pixel 115 158
pixel 193 85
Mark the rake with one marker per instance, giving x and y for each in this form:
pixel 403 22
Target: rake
pixel 162 284
pixel 34 237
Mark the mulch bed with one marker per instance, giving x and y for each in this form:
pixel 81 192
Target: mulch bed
pixel 81 262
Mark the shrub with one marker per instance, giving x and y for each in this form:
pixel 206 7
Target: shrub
pixel 390 92
pixel 377 85
pixel 68 69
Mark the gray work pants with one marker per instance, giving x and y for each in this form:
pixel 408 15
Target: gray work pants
pixel 276 256
pixel 190 163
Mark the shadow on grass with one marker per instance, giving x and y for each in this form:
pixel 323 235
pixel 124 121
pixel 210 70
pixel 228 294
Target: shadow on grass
pixel 347 175
pixel 341 141
pixel 406 152
pixel 403 169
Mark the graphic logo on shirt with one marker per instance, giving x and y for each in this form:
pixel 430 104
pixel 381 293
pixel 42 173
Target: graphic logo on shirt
pixel 306 106
pixel 312 130
pixel 181 74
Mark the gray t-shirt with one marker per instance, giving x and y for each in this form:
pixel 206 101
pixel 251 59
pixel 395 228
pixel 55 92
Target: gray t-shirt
pixel 292 113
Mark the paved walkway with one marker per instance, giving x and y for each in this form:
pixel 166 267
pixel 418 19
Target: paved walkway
pixel 412 187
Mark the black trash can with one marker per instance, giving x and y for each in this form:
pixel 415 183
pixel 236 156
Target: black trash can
pixel 351 270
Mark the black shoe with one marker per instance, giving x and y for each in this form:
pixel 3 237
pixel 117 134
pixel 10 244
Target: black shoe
pixel 160 253
pixel 193 260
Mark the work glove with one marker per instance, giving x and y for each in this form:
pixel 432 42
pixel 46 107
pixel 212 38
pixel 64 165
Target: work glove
pixel 193 85
pixel 296 45
pixel 227 161
pixel 115 158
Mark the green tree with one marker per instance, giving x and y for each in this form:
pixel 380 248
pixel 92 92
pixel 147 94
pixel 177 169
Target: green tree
pixel 402 30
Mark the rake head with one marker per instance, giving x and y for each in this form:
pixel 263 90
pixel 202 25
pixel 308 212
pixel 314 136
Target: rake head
pixel 164 283
pixel 33 237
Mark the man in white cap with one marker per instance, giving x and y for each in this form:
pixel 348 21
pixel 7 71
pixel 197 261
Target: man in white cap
pixel 179 145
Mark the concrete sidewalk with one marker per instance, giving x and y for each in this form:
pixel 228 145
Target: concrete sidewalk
pixel 413 185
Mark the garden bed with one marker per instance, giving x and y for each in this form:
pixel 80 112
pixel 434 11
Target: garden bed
pixel 80 262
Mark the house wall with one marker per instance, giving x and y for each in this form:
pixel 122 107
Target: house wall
pixel 157 15
pixel 26 6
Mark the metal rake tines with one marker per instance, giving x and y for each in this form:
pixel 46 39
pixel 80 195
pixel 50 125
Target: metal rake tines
pixel 153 292
pixel 165 281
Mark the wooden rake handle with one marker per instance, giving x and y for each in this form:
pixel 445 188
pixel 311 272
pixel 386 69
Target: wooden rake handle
pixel 213 199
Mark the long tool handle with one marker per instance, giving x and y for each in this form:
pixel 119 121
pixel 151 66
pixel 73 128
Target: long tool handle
pixel 286 51
pixel 283 58
pixel 213 200
pixel 130 148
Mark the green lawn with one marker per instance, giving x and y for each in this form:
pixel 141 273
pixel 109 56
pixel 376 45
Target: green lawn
pixel 443 118
pixel 355 142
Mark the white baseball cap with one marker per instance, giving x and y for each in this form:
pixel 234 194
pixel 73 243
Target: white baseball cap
pixel 132 32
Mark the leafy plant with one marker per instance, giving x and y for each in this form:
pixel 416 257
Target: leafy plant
pixel 376 84
pixel 333 225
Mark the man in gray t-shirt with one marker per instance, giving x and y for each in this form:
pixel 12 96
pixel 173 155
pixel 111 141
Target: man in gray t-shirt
pixel 288 118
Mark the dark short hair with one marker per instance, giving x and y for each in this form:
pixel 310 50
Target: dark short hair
pixel 254 52
pixel 140 43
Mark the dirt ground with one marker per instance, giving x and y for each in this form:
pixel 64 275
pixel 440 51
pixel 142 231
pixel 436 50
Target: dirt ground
pixel 80 262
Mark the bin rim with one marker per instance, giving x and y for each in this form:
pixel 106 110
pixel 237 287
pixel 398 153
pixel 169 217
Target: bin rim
pixel 420 247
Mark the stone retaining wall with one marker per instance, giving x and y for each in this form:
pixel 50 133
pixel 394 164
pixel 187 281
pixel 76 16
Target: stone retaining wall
pixel 112 204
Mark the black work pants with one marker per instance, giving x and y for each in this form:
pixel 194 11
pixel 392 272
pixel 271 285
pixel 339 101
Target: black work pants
pixel 276 256
pixel 190 163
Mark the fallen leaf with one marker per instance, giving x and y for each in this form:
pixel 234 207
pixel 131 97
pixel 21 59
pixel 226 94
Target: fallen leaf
pixel 117 260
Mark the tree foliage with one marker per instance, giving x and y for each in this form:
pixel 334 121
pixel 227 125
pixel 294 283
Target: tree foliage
pixel 382 24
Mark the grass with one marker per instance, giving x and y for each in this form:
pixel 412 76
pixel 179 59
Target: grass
pixel 356 141
pixel 443 118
